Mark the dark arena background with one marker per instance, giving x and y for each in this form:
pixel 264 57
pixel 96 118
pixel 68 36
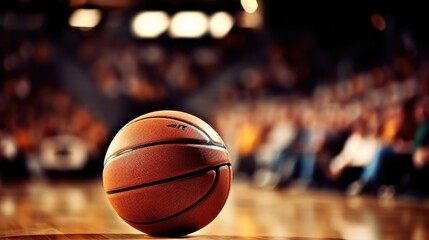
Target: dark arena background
pixel 323 107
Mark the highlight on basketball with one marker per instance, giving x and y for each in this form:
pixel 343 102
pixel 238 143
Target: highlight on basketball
pixel 219 119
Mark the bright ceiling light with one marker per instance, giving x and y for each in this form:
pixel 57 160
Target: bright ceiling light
pixel 188 24
pixel 85 19
pixel 220 24
pixel 150 24
pixel 249 6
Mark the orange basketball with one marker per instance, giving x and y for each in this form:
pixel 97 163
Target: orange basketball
pixel 167 173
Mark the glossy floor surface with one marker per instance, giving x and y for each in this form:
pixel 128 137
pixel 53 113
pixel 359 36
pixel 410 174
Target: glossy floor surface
pixel 80 210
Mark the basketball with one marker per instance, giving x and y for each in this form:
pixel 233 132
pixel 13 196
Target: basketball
pixel 167 173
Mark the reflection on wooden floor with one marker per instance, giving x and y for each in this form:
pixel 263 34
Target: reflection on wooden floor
pixel 79 210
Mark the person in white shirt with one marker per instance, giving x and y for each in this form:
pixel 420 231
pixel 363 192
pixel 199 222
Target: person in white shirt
pixel 360 148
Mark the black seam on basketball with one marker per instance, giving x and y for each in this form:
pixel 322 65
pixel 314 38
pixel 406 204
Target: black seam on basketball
pixel 216 169
pixel 167 179
pixel 229 187
pixel 172 118
pixel 186 141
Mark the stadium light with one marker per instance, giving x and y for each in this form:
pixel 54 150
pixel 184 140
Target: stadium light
pixel 250 6
pixel 85 19
pixel 220 24
pixel 150 24
pixel 188 24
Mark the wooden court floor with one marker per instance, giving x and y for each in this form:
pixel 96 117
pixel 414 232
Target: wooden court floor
pixel 79 210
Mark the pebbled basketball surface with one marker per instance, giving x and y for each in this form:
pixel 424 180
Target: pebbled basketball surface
pixel 167 173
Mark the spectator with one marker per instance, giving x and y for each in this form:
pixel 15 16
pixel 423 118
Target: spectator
pixel 279 137
pixel 13 165
pixel 421 148
pixel 359 149
pixel 392 161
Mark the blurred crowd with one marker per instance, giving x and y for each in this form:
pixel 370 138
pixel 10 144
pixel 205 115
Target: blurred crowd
pixel 364 134
pixel 48 130
pixel 148 72
pixel 44 130
pixel 286 119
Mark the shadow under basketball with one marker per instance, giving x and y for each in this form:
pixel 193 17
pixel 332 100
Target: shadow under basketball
pixel 143 236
